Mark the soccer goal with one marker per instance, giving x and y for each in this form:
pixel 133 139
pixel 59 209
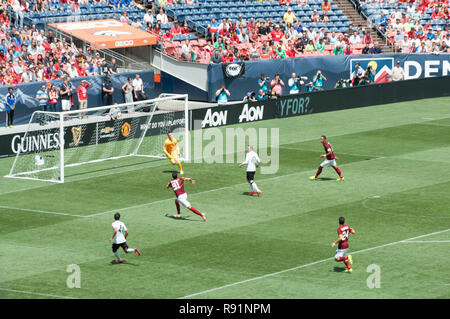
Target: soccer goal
pixel 56 141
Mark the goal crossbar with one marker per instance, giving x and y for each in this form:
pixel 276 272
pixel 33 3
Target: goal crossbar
pixel 96 138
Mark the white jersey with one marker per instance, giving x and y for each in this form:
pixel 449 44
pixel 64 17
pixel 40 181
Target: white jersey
pixel 121 228
pixel 251 160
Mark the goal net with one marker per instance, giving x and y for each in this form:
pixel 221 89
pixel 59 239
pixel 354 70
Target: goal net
pixel 56 141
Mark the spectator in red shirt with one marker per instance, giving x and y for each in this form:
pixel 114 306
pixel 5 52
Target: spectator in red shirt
pixel 348 49
pixel 175 29
pixel 185 29
pixel 82 97
pixel 276 34
pixel 234 39
pixel 436 15
pixel 290 52
pixel 168 36
pixel 315 17
pixel 223 32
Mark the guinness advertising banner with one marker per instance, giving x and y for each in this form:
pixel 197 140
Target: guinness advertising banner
pixel 88 134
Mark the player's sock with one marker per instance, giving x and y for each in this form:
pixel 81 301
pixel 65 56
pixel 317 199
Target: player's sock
pixel 178 207
pixel 251 187
pixel 338 171
pixel 130 250
pixel 195 211
pixel 256 187
pixel 319 171
pixel 179 166
pixel 117 255
pixel 347 264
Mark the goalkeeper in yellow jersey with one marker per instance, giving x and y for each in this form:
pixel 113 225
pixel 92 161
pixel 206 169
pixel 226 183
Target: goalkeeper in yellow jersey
pixel 172 151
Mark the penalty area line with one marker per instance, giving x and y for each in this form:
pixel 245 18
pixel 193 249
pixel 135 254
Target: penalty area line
pixel 221 188
pixel 35 293
pixel 310 264
pixel 40 211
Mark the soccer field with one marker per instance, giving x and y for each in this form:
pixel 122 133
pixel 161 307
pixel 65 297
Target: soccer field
pixel 396 162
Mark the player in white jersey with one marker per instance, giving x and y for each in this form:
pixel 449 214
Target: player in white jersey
pixel 252 161
pixel 119 238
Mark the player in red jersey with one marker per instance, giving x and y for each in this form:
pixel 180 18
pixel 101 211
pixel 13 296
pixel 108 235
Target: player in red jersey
pixel 177 184
pixel 342 241
pixel 329 161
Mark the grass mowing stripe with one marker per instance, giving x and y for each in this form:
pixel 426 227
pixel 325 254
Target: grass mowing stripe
pixel 375 129
pixel 40 211
pixel 317 151
pixel 310 264
pixel 298 141
pixel 220 188
pixel 35 293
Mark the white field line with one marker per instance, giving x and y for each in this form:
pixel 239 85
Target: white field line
pixel 219 189
pixel 435 124
pixel 40 211
pixel 169 199
pixel 364 204
pixel 309 264
pixel 364 131
pixel 298 141
pixel 428 241
pixel 35 293
pixel 85 178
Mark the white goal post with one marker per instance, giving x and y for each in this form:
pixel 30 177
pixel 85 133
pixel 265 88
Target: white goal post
pixel 55 141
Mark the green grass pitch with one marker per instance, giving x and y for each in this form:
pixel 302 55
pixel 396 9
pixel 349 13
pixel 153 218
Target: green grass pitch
pixel 396 162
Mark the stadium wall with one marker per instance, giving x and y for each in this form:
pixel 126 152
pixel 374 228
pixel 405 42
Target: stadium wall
pixel 237 113
pixel 325 101
pixel 333 67
pixel 26 93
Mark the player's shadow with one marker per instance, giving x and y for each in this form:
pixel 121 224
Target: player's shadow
pixel 167 172
pixel 339 269
pixel 324 179
pixel 114 263
pixel 181 218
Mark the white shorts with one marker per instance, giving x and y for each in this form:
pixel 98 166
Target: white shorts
pixel 340 253
pixel 182 199
pixel 327 163
pixel 66 105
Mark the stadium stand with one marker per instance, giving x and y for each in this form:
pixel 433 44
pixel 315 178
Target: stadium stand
pixel 412 27
pixel 240 30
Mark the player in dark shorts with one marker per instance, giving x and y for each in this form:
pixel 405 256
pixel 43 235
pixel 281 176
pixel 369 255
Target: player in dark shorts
pixel 329 161
pixel 342 241
pixel 177 185
pixel 119 238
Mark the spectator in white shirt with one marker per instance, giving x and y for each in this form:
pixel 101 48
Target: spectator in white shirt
pixel 162 17
pixel 397 14
pixel 185 50
pixel 406 43
pixel 354 38
pixel 139 93
pixel 149 18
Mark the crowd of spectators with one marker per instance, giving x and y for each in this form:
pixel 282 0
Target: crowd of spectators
pixel 256 39
pixel 412 29
pixel 28 54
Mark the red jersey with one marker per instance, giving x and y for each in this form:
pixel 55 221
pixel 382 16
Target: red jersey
pixel 177 186
pixel 344 230
pixel 82 92
pixel 328 149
